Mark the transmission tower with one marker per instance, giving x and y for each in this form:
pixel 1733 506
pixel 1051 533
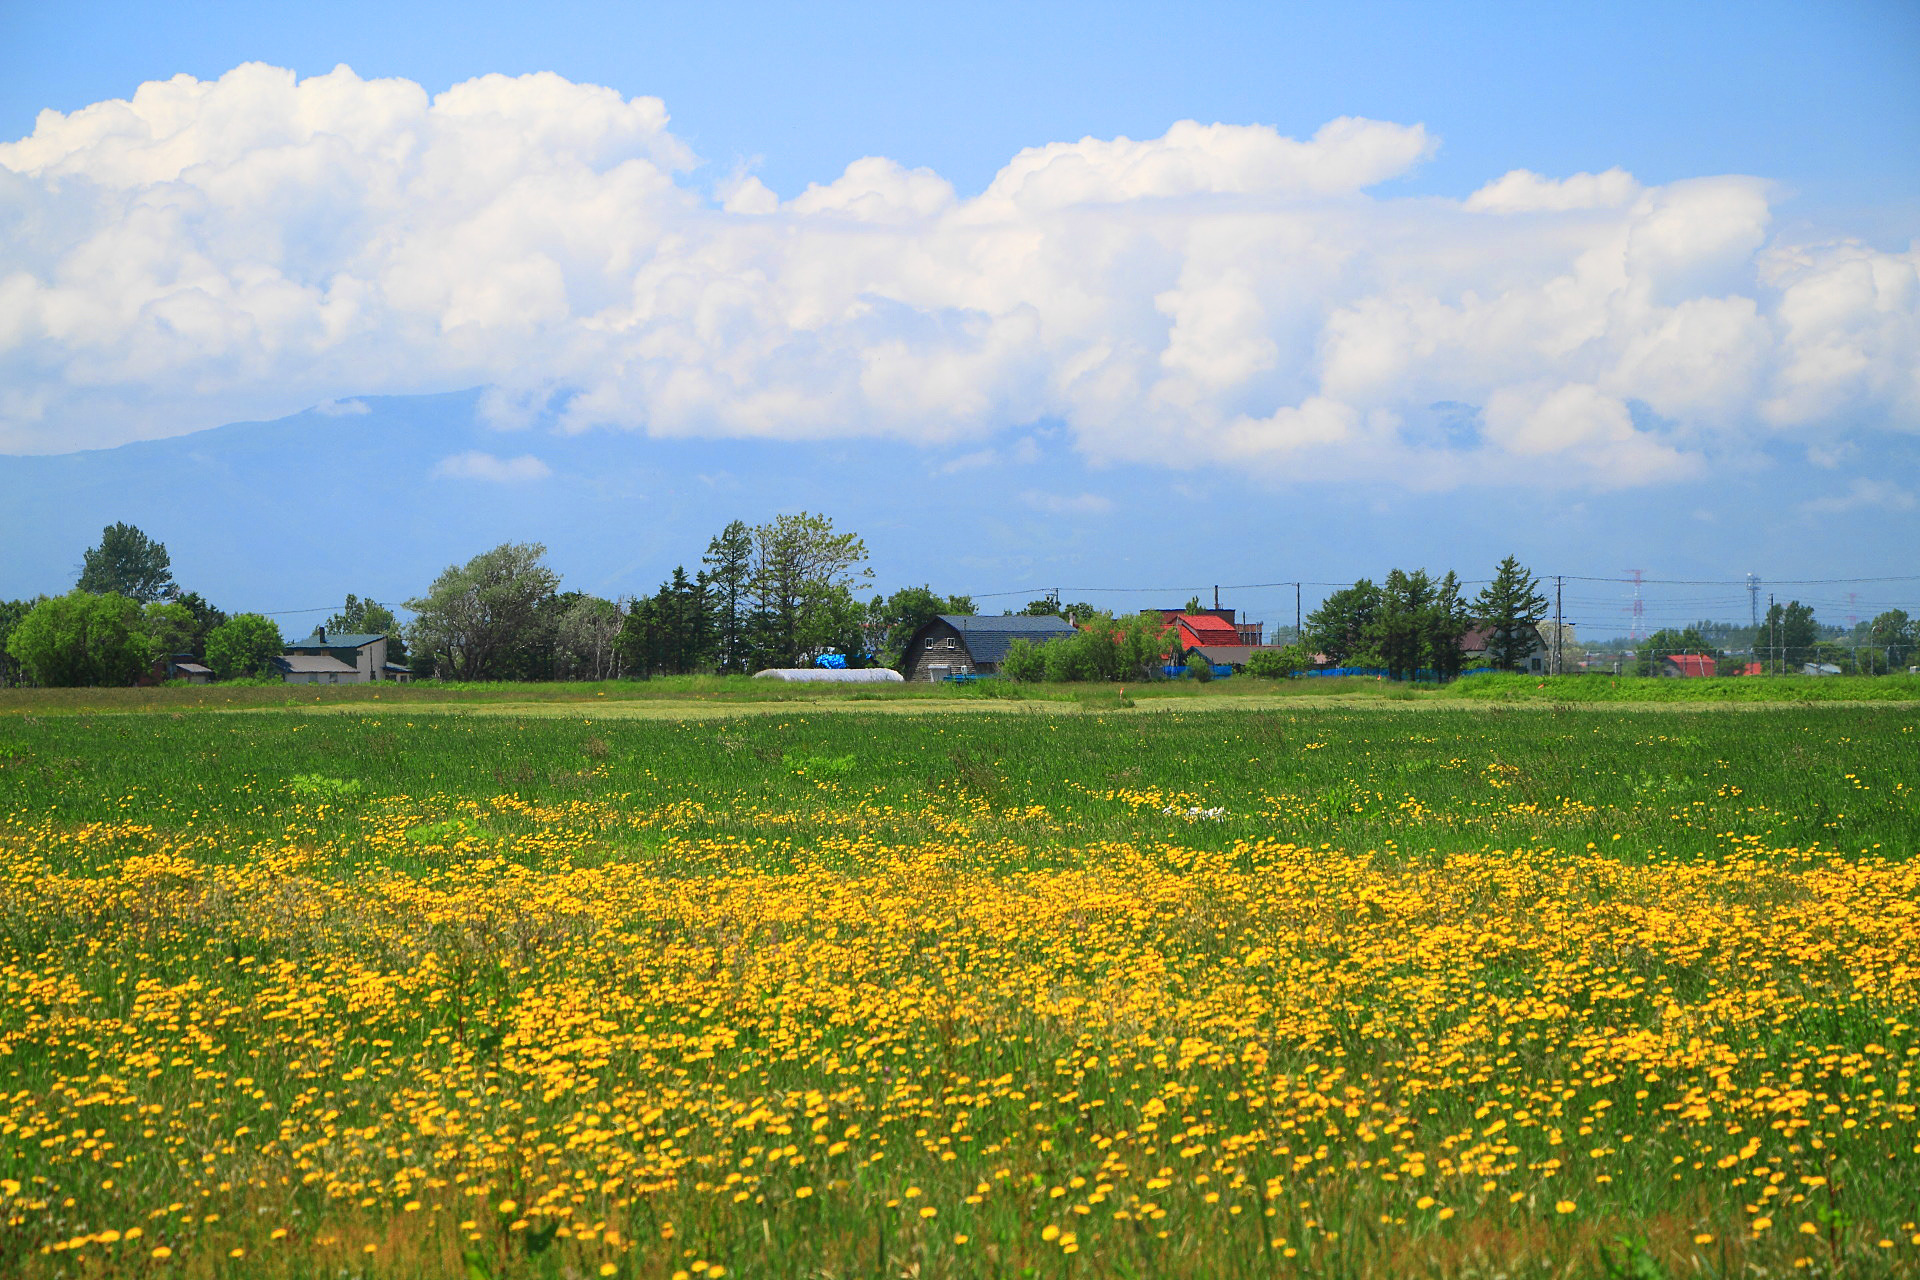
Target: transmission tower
pixel 1639 607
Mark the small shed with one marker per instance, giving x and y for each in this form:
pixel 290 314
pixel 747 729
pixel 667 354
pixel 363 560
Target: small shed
pixel 966 644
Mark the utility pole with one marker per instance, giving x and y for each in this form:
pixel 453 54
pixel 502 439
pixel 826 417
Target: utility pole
pixel 1216 597
pixel 1753 602
pixel 1558 623
pixel 1773 630
pixel 1297 637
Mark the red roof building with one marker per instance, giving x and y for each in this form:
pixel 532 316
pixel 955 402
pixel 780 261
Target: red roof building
pixel 1201 631
pixel 1688 665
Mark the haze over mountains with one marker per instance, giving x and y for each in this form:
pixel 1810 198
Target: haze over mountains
pixel 375 496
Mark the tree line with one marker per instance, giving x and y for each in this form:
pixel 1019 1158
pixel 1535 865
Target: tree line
pixel 782 594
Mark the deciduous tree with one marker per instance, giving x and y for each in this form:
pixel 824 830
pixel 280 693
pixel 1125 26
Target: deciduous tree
pixel 244 645
pixel 127 562
pixel 81 639
pixel 475 615
pixel 1342 627
pixel 803 575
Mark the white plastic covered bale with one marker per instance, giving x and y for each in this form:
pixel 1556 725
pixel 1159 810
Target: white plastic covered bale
pixel 827 675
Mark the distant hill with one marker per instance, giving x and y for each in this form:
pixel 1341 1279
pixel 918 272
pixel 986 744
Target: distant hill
pixel 297 512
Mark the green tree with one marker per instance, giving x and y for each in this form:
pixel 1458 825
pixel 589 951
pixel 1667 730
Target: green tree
pixel 205 619
pixel 170 628
pixel 81 639
pixel 12 614
pixel 1199 668
pixel 1888 641
pixel 1140 645
pixel 729 569
pixel 803 573
pixel 1787 636
pixel 364 618
pixel 1448 619
pixel 1051 607
pixel 1343 626
pixel 244 645
pixel 1510 607
pixel 127 562
pixel 892 620
pixel 490 613
pixel 1025 661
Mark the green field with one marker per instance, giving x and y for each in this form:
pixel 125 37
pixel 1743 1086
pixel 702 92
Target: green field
pixel 711 978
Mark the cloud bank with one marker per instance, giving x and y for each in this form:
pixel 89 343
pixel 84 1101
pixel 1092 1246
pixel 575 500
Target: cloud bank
pixel 1219 295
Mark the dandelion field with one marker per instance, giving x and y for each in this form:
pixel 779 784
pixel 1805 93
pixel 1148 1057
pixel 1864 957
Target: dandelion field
pixel 1328 992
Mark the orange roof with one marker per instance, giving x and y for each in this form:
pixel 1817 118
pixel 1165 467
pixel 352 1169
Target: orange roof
pixel 1692 664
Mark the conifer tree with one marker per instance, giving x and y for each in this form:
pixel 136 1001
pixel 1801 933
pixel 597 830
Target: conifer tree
pixel 1510 607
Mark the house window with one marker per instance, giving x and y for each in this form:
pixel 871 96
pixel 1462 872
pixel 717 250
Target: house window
pixel 952 643
pixel 929 642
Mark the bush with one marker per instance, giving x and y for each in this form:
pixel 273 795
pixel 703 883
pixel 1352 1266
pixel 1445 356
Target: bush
pixel 1198 668
pixel 1275 664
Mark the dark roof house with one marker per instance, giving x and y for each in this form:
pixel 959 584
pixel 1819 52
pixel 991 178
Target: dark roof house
pixel 365 655
pixel 965 644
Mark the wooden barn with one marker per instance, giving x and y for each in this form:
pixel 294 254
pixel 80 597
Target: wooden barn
pixel 964 644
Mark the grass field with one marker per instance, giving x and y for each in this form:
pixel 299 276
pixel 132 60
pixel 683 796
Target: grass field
pixel 1245 987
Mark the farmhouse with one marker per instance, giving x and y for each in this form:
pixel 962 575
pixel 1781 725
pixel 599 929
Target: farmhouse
pixel 963 644
pixel 1687 666
pixel 364 656
pixel 315 668
pixel 1247 635
pixel 1475 643
pixel 1219 638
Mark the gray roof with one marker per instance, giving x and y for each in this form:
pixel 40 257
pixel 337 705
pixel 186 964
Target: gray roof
pixel 988 638
pixel 340 640
pixel 303 663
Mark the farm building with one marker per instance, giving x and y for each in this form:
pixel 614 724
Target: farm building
pixel 1249 635
pixel 1687 666
pixel 964 644
pixel 1474 645
pixel 1220 639
pixel 315 668
pixel 364 655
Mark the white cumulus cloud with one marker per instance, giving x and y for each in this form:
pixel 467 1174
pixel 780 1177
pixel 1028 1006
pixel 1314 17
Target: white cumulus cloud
pixel 1221 294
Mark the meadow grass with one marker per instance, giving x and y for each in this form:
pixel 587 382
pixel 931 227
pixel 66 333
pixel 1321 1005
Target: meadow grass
pixel 1368 990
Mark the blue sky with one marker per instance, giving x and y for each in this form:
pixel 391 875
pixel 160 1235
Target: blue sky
pixel 1630 270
